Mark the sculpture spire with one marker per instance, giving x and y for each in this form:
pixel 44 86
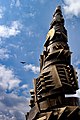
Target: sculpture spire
pixel 57 25
pixel 57 77
pixel 57 17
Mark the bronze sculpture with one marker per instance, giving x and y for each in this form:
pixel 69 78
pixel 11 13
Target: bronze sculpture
pixel 57 78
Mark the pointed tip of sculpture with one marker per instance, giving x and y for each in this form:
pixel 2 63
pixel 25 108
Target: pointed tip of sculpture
pixel 57 16
pixel 58 7
pixel 57 10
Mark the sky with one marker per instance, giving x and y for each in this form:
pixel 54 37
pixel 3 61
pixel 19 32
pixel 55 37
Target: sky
pixel 23 28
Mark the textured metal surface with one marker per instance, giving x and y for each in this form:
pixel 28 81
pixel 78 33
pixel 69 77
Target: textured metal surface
pixel 57 77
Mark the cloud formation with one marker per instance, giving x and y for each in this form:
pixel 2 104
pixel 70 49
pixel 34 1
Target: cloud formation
pixel 71 8
pixel 10 83
pixel 77 68
pixel 31 67
pixel 15 3
pixel 12 107
pixel 2 9
pixel 24 86
pixel 4 53
pixel 7 78
pixel 31 14
pixel 13 30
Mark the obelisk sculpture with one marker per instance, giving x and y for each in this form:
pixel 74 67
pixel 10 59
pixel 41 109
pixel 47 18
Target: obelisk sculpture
pixel 57 78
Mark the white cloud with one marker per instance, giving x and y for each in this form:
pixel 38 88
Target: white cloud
pixel 14 102
pixel 24 86
pixel 4 53
pixel 15 3
pixel 18 3
pixel 31 14
pixel 31 67
pixel 77 63
pixel 9 82
pixel 13 30
pixel 12 107
pixel 77 68
pixel 7 78
pixel 72 7
pixel 2 9
pixel 14 46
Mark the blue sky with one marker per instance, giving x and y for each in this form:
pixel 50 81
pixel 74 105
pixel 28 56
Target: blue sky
pixel 23 28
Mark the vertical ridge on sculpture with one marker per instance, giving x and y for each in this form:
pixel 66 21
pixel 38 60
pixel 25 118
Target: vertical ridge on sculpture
pixel 57 77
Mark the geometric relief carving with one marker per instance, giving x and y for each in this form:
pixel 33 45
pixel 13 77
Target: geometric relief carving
pixel 56 79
